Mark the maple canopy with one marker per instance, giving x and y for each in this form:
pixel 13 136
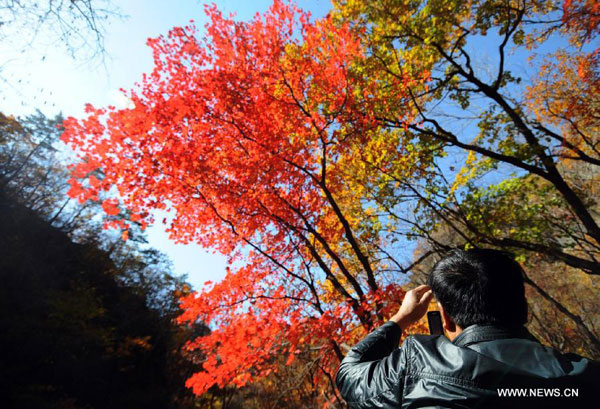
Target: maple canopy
pixel 243 136
pixel 310 151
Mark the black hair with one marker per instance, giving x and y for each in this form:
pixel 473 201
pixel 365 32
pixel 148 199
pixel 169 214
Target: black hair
pixel 480 286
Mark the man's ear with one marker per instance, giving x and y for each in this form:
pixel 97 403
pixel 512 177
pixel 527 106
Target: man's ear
pixel 449 324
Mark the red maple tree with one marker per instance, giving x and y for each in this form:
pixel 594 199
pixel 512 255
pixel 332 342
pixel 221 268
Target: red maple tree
pixel 240 134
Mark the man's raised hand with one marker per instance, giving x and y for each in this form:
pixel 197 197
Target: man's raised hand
pixel 414 306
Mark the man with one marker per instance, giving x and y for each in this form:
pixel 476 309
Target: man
pixel 486 359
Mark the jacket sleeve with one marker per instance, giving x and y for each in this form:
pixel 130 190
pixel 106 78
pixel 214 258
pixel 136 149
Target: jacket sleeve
pixel 371 374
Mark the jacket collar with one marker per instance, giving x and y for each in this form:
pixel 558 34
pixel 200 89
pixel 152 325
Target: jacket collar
pixel 481 333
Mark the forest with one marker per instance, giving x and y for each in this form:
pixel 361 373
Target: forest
pixel 331 160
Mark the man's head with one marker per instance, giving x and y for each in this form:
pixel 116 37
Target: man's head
pixel 479 286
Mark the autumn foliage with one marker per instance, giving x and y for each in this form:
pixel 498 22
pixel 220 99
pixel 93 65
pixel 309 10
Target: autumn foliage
pixel 309 152
pixel 239 135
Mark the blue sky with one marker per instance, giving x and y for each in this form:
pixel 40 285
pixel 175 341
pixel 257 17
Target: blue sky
pixel 47 78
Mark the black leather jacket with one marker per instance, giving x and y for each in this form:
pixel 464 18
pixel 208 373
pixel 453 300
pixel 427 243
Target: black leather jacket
pixel 431 371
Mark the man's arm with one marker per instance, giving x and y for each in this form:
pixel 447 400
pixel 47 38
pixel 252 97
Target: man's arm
pixel 371 373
